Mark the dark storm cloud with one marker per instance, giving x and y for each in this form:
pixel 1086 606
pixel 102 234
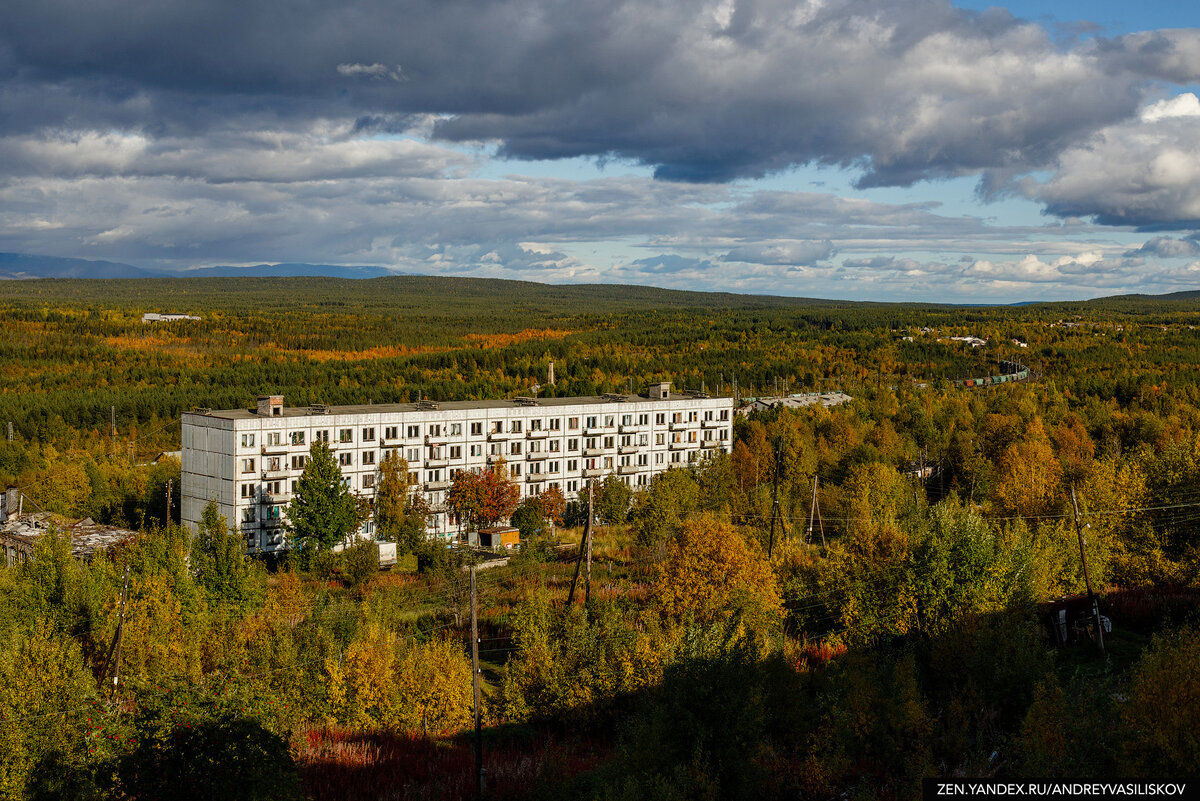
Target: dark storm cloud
pixel 701 91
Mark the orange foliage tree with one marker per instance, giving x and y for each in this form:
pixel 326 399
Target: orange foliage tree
pixel 483 497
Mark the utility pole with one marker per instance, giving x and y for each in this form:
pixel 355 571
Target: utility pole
pixel 584 544
pixel 170 482
pixel 1086 578
pixel 475 686
pixel 116 646
pixel 774 499
pixel 812 511
pixel 112 423
pixel 820 522
pixel 10 430
pixel 587 581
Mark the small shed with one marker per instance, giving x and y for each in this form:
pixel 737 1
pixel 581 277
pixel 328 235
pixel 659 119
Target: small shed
pixel 499 537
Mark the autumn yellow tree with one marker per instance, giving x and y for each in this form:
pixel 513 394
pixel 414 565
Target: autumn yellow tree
pixel 711 572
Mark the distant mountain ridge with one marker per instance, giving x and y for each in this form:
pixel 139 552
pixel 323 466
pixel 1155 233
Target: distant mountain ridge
pixel 17 266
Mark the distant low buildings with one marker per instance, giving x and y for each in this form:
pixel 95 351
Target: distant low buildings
pixel 169 317
pixel 800 401
pixel 974 342
pixel 20 533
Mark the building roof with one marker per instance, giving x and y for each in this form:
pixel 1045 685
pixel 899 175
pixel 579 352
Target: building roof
pixel 614 401
pixel 87 537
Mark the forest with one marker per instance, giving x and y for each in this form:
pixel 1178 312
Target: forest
pixel 853 599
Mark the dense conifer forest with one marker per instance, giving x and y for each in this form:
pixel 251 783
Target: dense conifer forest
pixel 906 631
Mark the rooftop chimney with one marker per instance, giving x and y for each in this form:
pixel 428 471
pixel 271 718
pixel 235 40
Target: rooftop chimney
pixel 270 405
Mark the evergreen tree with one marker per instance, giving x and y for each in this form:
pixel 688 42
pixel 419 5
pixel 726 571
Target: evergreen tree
pixel 322 512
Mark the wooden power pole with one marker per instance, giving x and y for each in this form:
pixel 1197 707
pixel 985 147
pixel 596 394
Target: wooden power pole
pixel 1086 577
pixel 774 499
pixel 170 482
pixel 584 544
pixel 475 686
pixel 115 650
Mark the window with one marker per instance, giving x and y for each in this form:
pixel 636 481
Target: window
pixel 608 463
pixel 536 467
pixel 724 414
pixel 476 429
pixel 573 423
pixel 297 437
pixel 346 435
pixel 368 457
pixel 554 445
pixel 248 515
pixel 456 451
pixel 643 439
pixel 496 449
pixel 609 442
pixel 555 423
pixel 572 444
pixel 658 458
pixel 391 432
pixel 515 427
pixel 572 486
pixel 498 427
pixel 515 449
pixel 660 418
pixel 691 436
pixel 433 475
pixel 659 439
pixel 610 420
pixel 643 460
pixel 412 455
pixel 591 422
pixel 273 512
pixel 275 438
pixel 247 465
pixel 552 467
pixel 322 436
pixel 677 417
pixel 247 490
pixel 708 415
pixel 293 487
pixel 535 446
pixel 477 450
pixel 247 440
pixel 643 419
pixel 625 461
pixel 345 459
pixel 627 419
pixel 693 416
pixel 435 430
pixel 274 463
pixel 273 487
pixel 724 433
pixel 368 481
pixel 592 464
pixel 535 425
pixel 368 435
pixel 435 452
pixel 413 477
pixel 514 471
pixel 413 432
pixel 572 465
pixel 676 456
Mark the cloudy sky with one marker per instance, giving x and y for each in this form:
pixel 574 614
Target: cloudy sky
pixel 862 149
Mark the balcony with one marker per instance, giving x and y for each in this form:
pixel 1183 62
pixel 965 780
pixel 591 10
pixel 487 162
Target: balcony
pixel 678 446
pixel 708 444
pixel 627 469
pixel 627 449
pixel 593 431
pixel 533 478
pixel 629 429
pixel 434 486
pixel 540 433
pixel 714 423
pixel 680 426
pixel 594 472
pixel 498 436
pixel 593 452
pixel 436 463
pixel 534 456
pixel 429 440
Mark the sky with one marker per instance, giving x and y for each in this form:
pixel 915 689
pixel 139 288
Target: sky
pixel 853 149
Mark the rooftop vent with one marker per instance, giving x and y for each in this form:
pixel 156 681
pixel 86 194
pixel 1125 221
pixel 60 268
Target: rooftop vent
pixel 428 406
pixel 203 410
pixel 525 400
pixel 695 393
pixel 318 408
pixel 615 397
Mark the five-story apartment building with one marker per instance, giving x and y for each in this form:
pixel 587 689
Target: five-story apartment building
pixel 248 460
